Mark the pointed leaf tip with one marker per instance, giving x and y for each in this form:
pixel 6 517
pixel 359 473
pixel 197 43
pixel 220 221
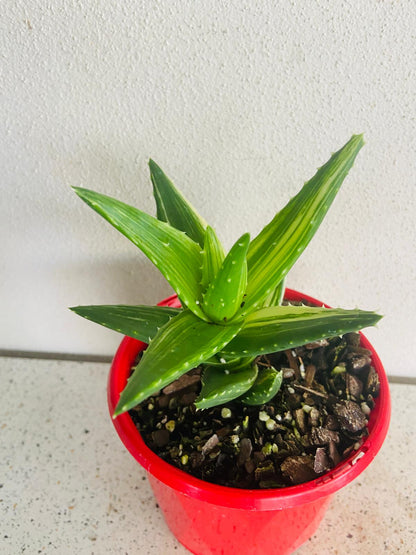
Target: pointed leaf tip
pixel 212 257
pixel 277 247
pixel 180 264
pixel 282 327
pixel 173 208
pixel 140 322
pixel 225 293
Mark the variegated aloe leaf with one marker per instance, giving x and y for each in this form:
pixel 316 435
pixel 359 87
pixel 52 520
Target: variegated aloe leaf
pixel 283 327
pixel 140 322
pixel 173 208
pixel 274 251
pixel 219 387
pixel 181 344
pixel 212 257
pixel 267 384
pixel 225 293
pixel 176 255
pixel 277 295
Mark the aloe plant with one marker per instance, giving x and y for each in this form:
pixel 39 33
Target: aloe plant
pixel 231 303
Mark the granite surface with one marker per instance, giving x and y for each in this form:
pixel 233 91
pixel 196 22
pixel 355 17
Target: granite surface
pixel 67 484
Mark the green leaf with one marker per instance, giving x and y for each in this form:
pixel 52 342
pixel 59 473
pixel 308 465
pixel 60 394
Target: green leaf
pixel 212 257
pixel 140 322
pixel 277 295
pixel 230 364
pixel 173 208
pixel 274 251
pixel 267 384
pixel 176 256
pixel 180 345
pixel 283 327
pixel 225 294
pixel 219 387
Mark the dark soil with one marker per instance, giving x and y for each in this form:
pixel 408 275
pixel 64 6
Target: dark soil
pixel 318 418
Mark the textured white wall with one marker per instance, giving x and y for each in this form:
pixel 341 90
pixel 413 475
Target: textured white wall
pixel 239 103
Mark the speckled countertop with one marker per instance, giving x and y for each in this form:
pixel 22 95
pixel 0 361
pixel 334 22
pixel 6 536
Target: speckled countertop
pixel 67 484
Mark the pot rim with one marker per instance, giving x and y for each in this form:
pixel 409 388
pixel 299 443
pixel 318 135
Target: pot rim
pixel 268 499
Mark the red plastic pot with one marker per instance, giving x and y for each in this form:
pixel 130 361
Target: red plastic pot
pixel 211 519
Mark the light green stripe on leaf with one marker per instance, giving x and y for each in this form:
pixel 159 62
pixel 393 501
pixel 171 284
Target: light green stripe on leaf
pixel 140 322
pixel 183 343
pixel 173 208
pixel 176 255
pixel 212 257
pixel 219 387
pixel 276 298
pixel 282 327
pixel 274 251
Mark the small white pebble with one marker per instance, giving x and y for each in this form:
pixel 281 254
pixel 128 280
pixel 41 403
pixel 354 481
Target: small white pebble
pixel 170 425
pixel 288 416
pixel 226 413
pixel 366 409
pixel 307 408
pixel 291 390
pixel 263 416
pixel 235 439
pixel 267 449
pixel 271 424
